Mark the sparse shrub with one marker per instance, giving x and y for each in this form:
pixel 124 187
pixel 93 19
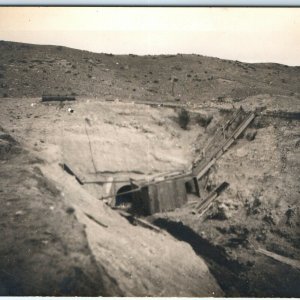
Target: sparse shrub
pixel 70 210
pixel 237 99
pixel 184 118
pixel 5 95
pixel 258 123
pixel 68 71
pixel 197 79
pixel 155 81
pixel 220 212
pixel 1 75
pixel 204 120
pixel 253 205
pixel 59 48
pixel 250 134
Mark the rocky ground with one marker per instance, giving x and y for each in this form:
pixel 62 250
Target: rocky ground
pixel 57 231
pixel 260 209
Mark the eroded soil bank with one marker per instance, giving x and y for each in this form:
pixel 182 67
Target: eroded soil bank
pixel 259 211
pixel 58 239
pixel 61 233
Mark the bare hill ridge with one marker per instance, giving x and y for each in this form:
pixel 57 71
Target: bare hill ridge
pixel 192 78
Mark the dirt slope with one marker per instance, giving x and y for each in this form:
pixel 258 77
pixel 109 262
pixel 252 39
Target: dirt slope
pixel 260 209
pixel 78 236
pixel 193 78
pixel 59 240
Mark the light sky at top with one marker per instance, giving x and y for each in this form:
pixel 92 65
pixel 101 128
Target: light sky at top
pixel 245 34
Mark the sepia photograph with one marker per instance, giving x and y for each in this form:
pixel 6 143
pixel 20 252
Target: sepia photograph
pixel 150 151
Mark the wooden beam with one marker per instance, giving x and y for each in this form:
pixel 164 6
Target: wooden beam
pixel 196 183
pixel 288 261
pixel 203 207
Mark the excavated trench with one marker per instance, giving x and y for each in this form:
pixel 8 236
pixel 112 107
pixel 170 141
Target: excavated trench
pixel 227 272
pixel 237 279
pixel 257 276
pixel 253 277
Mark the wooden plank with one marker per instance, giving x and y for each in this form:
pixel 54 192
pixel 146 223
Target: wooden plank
pixel 152 192
pixel 71 172
pixel 286 260
pixel 139 221
pixel 224 147
pixel 180 193
pixel 203 207
pixel 224 127
pixel 205 169
pixel 196 183
pixel 165 196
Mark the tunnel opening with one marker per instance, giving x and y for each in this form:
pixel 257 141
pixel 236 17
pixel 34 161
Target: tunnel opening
pixel 124 196
pixel 189 188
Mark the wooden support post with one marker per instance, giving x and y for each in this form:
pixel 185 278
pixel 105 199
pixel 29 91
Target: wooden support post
pixel 196 183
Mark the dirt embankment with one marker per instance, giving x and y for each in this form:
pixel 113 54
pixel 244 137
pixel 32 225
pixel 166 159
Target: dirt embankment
pixel 259 210
pixel 60 240
pixel 263 191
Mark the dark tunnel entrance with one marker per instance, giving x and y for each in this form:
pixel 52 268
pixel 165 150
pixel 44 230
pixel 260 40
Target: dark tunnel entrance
pixel 124 197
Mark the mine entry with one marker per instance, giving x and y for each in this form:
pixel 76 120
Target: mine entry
pixel 146 198
pixel 124 197
pixel 169 191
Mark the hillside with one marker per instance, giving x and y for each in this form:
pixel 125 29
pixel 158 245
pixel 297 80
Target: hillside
pixel 193 78
pixel 60 236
